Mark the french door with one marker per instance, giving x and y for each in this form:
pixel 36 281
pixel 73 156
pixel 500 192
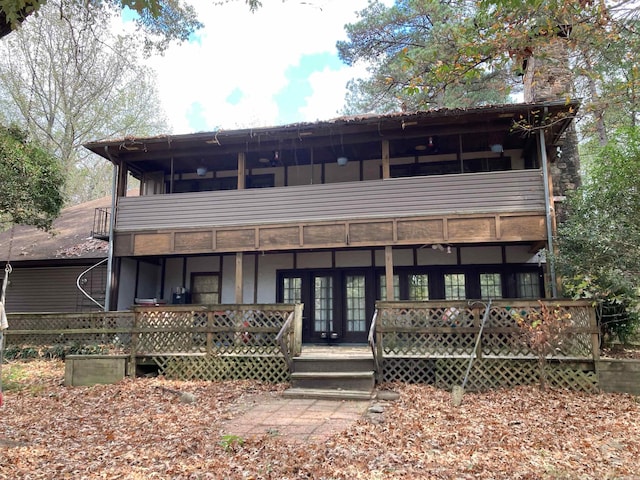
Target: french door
pixel 338 304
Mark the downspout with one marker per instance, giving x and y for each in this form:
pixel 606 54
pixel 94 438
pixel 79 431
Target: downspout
pixel 112 221
pixel 547 206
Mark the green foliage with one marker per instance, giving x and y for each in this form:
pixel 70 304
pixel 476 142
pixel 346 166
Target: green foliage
pixel 68 79
pixel 56 351
pixel 12 377
pixel 231 442
pixel 421 54
pixel 543 331
pixel 161 21
pixel 31 180
pixel 599 244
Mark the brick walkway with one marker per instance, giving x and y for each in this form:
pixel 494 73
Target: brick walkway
pixel 299 420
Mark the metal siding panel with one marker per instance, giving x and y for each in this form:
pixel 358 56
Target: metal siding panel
pixel 509 191
pixel 44 289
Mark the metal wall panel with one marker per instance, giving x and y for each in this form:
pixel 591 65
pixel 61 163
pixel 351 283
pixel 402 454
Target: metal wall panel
pixel 507 191
pixel 51 289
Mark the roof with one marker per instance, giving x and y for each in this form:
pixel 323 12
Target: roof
pixel 360 134
pixel 68 242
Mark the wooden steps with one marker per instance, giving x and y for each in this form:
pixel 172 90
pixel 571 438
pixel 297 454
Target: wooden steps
pixel 333 373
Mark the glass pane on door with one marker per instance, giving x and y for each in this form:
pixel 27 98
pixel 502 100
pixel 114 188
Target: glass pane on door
pixel 356 303
pixel 292 290
pixel 323 304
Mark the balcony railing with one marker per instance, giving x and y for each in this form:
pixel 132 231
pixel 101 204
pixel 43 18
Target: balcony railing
pixel 490 192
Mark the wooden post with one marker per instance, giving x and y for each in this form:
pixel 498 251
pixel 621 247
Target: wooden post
pixel 134 342
pixel 595 336
pixel 242 161
pixel 239 290
pixel 209 332
pixel 297 330
pixel 386 169
pixel 388 271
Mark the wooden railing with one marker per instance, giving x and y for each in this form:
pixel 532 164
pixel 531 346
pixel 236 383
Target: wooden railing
pixel 157 330
pixel 290 336
pixel 433 342
pixel 442 329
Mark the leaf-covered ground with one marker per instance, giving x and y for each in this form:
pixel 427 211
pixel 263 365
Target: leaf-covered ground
pixel 139 430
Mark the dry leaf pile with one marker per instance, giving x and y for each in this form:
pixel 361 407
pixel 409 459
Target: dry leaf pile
pixel 138 429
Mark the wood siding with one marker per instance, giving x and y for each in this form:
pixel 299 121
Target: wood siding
pixel 510 191
pixel 50 289
pixel 468 208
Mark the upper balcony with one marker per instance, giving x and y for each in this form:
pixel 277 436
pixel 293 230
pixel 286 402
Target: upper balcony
pixel 505 206
pixel 453 176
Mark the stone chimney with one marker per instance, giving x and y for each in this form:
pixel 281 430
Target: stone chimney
pixel 548 77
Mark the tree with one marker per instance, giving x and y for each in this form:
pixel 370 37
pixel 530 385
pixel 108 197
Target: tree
pixel 420 56
pixel 439 51
pixel 31 181
pixel 160 21
pixel 599 244
pixel 68 80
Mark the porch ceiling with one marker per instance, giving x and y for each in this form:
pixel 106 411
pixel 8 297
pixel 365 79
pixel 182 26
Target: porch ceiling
pixel 358 138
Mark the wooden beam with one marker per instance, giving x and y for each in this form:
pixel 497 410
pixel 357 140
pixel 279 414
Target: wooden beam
pixel 242 166
pixel 239 289
pixel 386 168
pixel 388 271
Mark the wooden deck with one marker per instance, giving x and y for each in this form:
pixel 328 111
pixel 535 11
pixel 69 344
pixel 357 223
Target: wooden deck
pixel 336 351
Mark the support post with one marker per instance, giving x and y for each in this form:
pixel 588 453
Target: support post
pixel 239 290
pixel 242 166
pixel 542 150
pixel 388 271
pixel 386 168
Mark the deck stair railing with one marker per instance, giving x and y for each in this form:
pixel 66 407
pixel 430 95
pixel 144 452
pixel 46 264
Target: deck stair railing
pixel 371 340
pixel 289 337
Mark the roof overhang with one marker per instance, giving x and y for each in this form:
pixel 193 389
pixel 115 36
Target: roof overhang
pixel 358 136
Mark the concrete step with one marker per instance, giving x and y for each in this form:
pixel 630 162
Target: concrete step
pixel 353 380
pixel 329 364
pixel 325 394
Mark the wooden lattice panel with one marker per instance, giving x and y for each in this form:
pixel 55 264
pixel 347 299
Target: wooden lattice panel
pixel 409 370
pixel 219 368
pixel 428 344
pixel 218 329
pixel 486 374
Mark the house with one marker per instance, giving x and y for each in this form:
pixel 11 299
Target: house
pixel 445 204
pixel 47 266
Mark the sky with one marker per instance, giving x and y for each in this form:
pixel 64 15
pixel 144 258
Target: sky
pixel 276 66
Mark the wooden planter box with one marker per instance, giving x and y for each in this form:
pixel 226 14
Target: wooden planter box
pixel 86 370
pixel 619 375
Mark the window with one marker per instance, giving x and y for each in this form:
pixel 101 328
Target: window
pixel 490 285
pixel 292 290
pixel 454 286
pixel 356 303
pixel 528 285
pixel 383 287
pixel 323 307
pixel 418 287
pixel 205 288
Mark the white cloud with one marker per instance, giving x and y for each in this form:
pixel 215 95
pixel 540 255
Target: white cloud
pixel 245 53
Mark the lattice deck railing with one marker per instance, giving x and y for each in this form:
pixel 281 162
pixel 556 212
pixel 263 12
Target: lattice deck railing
pixel 207 342
pixel 433 341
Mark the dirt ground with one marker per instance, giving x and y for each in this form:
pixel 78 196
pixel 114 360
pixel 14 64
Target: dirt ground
pixel 137 429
